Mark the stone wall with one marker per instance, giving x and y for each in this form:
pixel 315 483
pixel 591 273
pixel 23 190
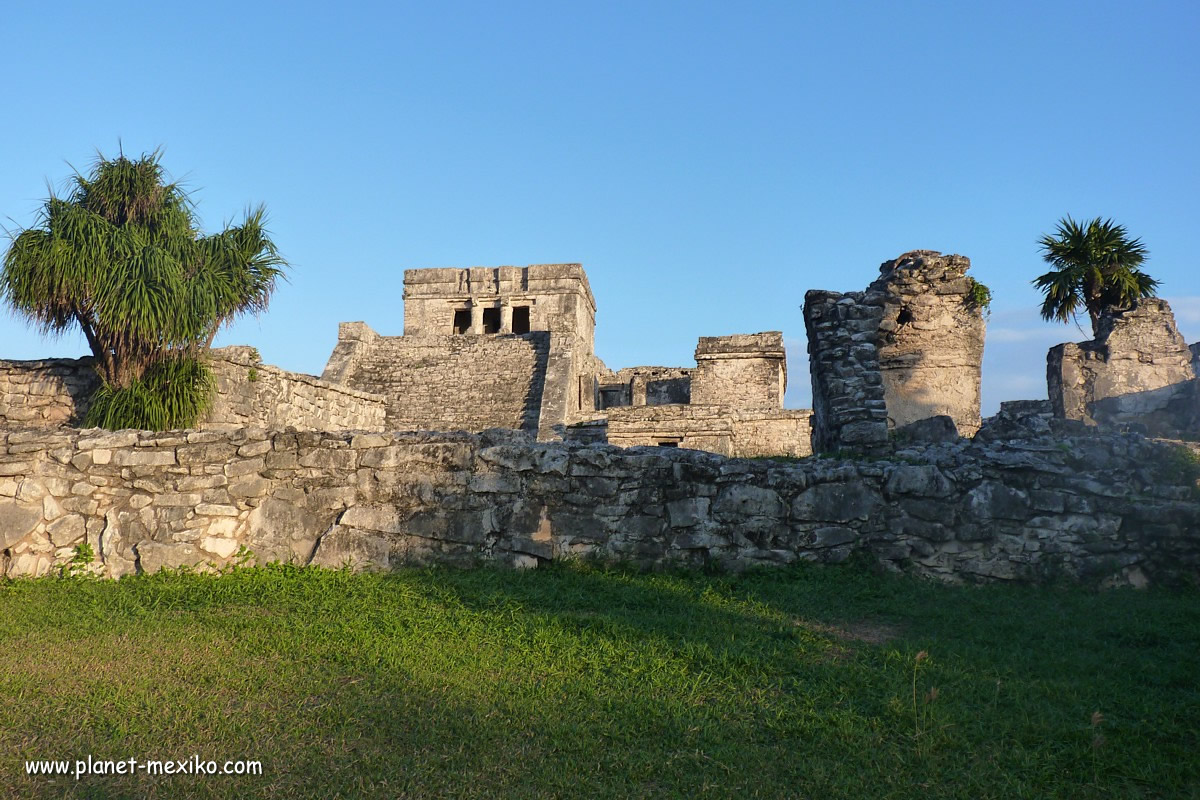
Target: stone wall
pixel 649 386
pixel 1116 508
pixel 451 382
pixel 849 411
pixel 46 393
pixel 737 433
pixel 741 371
pixel 1136 372
pixel 252 393
pixel 56 392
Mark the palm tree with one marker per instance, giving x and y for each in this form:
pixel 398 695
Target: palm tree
pixel 121 257
pixel 1097 268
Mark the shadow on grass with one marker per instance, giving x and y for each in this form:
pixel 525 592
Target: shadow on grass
pixel 575 681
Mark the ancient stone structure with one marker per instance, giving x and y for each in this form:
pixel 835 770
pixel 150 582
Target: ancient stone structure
pixel 513 347
pixel 446 382
pixel 55 392
pixel 1114 508
pixel 1137 371
pixel 734 405
pixel 752 433
pixel 907 349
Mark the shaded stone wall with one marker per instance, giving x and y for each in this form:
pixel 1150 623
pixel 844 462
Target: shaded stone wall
pixel 740 371
pixel 738 433
pixel 849 411
pixel 1110 507
pixel 56 392
pixel 454 382
pixel 650 386
pixel 1136 372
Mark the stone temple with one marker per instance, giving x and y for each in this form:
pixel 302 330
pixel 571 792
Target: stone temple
pixel 514 347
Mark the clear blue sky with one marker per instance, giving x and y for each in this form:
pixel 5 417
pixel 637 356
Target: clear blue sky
pixel 706 162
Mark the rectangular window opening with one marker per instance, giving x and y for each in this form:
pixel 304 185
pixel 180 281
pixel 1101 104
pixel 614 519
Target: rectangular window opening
pixel 491 320
pixel 462 320
pixel 612 397
pixel 520 319
pixel 668 444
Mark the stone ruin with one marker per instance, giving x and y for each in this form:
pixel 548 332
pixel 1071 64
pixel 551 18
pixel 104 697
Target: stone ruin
pixel 906 350
pixel 336 470
pixel 514 347
pixel 1136 374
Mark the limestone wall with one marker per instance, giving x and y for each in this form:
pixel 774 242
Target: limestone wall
pixel 452 382
pixel 45 393
pixel 55 392
pixel 651 386
pixel 1108 507
pixel 1137 371
pixel 731 432
pixel 741 371
pixel 252 393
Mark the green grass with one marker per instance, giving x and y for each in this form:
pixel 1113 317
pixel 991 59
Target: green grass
pixel 582 682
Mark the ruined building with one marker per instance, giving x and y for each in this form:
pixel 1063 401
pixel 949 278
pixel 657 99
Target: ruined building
pixel 907 349
pixel 513 347
pixel 1136 373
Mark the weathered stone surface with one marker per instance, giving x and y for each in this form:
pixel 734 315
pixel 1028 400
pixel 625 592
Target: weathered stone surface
pixel 55 392
pixel 986 509
pixel 155 556
pixel 17 520
pixel 908 348
pixel 1136 372
pixel 359 550
pixel 835 502
pixel 940 428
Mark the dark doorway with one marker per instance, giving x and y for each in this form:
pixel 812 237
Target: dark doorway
pixel 462 320
pixel 520 319
pixel 491 320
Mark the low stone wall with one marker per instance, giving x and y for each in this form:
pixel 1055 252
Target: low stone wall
pixel 716 429
pixel 252 393
pixel 45 393
pixel 1116 508
pixel 54 392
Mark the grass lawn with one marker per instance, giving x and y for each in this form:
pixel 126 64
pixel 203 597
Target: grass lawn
pixel 583 682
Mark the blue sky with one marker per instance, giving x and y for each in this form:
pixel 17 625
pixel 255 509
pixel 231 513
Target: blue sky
pixel 706 162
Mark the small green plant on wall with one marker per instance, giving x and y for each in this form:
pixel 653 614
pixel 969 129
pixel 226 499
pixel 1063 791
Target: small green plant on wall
pixel 979 296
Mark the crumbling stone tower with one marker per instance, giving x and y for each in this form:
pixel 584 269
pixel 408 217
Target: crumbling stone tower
pixel 931 340
pixel 908 348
